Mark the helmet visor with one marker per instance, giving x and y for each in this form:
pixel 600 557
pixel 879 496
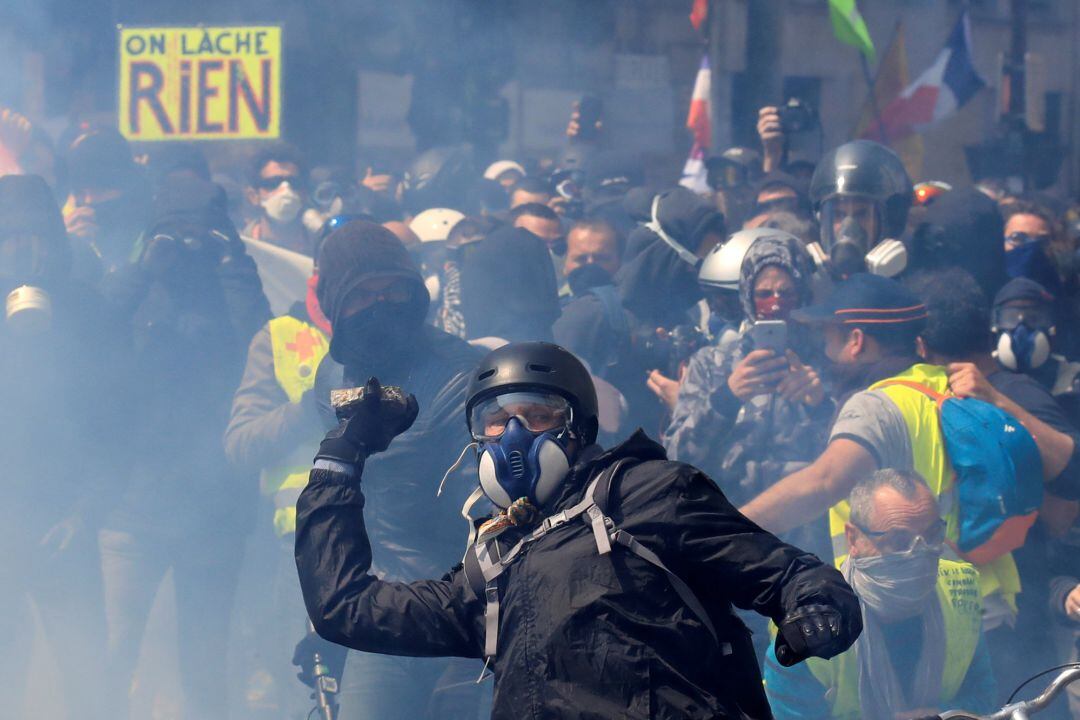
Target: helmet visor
pixel 538 412
pixel 850 219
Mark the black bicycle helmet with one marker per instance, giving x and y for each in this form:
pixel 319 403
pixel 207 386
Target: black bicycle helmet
pixel 540 366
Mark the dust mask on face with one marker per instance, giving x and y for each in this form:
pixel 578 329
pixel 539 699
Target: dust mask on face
pixel 283 204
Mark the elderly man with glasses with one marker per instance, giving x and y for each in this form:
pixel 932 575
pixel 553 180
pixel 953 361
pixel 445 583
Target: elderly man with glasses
pixel 921 649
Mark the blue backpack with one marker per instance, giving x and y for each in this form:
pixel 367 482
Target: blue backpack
pixel 999 474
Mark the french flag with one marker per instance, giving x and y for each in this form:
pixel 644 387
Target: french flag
pixel 943 88
pixel 698 121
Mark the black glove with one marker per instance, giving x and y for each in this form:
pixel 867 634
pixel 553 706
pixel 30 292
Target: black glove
pixel 331 654
pixel 815 631
pixel 382 415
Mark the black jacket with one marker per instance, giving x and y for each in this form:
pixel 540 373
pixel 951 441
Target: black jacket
pixel 581 635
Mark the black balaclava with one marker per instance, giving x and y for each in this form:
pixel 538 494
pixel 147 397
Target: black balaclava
pixel 964 229
pixel 385 335
pixel 508 287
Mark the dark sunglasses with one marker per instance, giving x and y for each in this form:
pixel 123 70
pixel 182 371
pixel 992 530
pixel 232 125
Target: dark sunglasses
pixel 272 182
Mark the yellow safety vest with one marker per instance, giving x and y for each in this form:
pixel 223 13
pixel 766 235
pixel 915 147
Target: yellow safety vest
pixel 298 349
pixel 961 607
pixel 929 459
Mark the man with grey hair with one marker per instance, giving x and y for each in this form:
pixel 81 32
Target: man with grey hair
pixel 922 648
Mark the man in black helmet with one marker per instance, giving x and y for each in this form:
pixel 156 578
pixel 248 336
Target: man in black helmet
pixel 603 585
pixel 861 195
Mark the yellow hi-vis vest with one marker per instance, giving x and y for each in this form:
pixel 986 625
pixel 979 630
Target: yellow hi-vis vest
pixel 930 460
pixel 958 593
pixel 298 349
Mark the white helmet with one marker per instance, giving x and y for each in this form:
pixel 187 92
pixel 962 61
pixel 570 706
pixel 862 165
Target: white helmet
pixel 497 168
pixel 722 267
pixel 434 225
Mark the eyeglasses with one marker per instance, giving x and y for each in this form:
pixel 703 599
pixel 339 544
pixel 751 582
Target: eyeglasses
pixel 538 412
pixel 1019 239
pixel 899 540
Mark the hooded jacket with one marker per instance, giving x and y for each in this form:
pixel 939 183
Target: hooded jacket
pixel 508 287
pixel 655 284
pixel 581 635
pixel 191 310
pixel 748 446
pixel 964 229
pixel 58 391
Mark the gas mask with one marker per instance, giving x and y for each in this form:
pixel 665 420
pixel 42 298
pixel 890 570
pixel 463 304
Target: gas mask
pixel 28 310
pixel 283 204
pixel 25 266
pixel 1024 336
pixel 849 251
pixel 522 442
pixel 1024 349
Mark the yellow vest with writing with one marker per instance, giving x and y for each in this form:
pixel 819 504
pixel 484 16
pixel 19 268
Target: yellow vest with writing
pixel 929 459
pixel 298 349
pixel 959 595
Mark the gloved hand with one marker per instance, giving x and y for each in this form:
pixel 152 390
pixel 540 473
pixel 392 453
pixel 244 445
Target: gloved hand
pixel 371 424
pixel 331 654
pixel 815 631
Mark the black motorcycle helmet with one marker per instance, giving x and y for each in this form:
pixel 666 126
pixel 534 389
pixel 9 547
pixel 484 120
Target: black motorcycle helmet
pixel 538 366
pixel 867 170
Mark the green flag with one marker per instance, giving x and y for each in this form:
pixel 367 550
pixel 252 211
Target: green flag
pixel 850 28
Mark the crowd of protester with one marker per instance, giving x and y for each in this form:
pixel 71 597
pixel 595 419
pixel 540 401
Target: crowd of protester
pixel 778 333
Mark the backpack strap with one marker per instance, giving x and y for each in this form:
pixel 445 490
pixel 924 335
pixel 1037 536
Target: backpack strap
pixel 601 490
pixel 483 563
pixel 934 395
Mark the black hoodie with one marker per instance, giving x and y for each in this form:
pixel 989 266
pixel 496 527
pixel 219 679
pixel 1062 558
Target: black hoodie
pixel 508 287
pixel 964 229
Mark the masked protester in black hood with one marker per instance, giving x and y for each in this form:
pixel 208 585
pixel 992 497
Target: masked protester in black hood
pixel 657 290
pixel 509 270
pixel 192 302
pixel 108 205
pixel 962 229
pixel 374 296
pixel 627 614
pixel 60 362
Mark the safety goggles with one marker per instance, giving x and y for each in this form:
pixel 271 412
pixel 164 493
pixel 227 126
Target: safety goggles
pixel 538 412
pixel 210 240
pixel 900 541
pixel 326 192
pixel 1008 318
pixel 1019 239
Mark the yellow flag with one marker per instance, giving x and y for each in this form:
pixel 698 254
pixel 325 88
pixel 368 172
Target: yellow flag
pixel 891 79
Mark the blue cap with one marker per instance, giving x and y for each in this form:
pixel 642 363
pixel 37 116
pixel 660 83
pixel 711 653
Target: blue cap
pixel 865 299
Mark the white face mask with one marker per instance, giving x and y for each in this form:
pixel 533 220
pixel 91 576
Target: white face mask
pixel 283 204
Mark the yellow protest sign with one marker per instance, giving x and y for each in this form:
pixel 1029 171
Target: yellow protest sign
pixel 200 83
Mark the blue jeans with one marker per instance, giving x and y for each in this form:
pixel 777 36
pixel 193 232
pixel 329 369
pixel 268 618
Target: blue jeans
pixel 205 571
